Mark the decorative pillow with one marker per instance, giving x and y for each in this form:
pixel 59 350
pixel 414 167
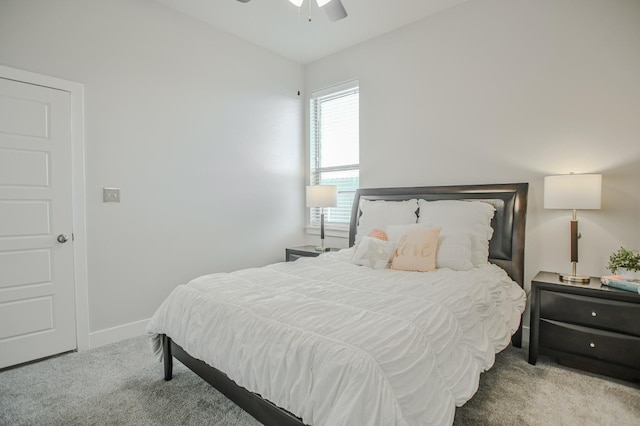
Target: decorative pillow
pixel 379 234
pixel 416 250
pixel 454 248
pixel 470 217
pixel 374 252
pixel 378 214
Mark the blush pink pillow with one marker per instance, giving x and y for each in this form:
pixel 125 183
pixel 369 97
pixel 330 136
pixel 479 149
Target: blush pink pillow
pixel 379 234
pixel 416 250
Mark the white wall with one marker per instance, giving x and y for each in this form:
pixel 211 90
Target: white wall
pixel 188 121
pixel 200 130
pixel 508 91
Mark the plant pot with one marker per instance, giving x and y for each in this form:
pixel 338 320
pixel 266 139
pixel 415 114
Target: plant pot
pixel 627 274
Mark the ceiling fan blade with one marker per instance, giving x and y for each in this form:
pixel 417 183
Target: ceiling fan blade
pixel 335 10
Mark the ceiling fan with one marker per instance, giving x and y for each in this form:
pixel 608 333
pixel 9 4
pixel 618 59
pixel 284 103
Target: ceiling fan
pixel 334 8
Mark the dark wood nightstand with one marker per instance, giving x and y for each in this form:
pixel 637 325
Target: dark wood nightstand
pixel 585 325
pixel 294 253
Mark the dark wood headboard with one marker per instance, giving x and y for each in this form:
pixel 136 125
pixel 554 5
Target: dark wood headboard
pixel 506 248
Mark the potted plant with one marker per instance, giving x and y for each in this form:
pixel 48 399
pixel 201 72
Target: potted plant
pixel 625 262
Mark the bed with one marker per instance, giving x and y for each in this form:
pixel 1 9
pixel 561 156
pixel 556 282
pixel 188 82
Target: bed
pixel 338 343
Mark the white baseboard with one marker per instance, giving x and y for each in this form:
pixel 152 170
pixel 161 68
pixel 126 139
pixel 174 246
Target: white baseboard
pixel 115 334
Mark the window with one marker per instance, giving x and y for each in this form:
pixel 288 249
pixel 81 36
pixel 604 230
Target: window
pixel 335 148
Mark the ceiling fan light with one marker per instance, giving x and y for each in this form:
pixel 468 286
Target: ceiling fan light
pixel 298 3
pixel 321 2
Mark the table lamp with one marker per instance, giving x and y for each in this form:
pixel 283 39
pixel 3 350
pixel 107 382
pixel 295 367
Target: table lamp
pixel 322 196
pixel 573 192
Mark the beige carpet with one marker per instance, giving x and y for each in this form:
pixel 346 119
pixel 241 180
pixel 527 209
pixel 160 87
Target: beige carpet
pixel 122 384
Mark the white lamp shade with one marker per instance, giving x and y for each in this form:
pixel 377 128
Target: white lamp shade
pixel 573 192
pixel 297 2
pixel 322 196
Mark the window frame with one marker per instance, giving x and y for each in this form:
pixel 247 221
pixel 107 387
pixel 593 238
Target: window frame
pixel 340 229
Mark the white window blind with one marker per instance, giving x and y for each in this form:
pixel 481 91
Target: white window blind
pixel 335 148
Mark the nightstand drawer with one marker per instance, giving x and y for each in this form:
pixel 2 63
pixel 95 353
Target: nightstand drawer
pixel 607 314
pixel 602 345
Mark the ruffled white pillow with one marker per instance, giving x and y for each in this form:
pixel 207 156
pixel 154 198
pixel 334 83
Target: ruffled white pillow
pixel 454 251
pixel 380 213
pixel 470 217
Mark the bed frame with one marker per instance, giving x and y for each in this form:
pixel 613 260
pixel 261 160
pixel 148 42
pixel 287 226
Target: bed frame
pixel 506 249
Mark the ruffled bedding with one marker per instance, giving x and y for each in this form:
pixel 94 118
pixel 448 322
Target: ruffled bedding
pixel 341 344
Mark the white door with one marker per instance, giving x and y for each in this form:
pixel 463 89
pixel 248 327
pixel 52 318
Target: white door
pixel 37 302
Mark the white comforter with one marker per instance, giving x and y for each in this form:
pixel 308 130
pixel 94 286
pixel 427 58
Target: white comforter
pixel 341 344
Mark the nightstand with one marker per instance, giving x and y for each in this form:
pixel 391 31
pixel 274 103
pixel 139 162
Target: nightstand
pixel 294 253
pixel 585 325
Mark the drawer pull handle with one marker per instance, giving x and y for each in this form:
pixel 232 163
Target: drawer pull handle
pixel 593 314
pixel 593 345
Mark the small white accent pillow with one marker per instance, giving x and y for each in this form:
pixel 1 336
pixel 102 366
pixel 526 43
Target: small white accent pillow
pixel 374 253
pixel 470 217
pixel 380 213
pixel 454 248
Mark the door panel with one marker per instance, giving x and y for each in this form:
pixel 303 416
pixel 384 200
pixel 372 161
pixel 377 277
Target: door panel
pixel 37 301
pixel 23 168
pixel 23 218
pixel 26 317
pixel 24 117
pixel 25 267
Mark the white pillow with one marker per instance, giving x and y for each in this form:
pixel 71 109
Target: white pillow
pixel 454 251
pixel 395 232
pixel 470 217
pixel 454 248
pixel 380 213
pixel 374 253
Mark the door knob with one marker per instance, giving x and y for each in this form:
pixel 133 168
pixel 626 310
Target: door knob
pixel 62 238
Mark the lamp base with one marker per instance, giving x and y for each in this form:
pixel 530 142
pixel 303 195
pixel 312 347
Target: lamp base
pixel 322 249
pixel 574 278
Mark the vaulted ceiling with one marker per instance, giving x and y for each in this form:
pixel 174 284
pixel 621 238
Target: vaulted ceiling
pixel 306 34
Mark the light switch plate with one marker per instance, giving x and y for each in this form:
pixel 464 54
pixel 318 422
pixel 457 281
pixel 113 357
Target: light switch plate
pixel 110 195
